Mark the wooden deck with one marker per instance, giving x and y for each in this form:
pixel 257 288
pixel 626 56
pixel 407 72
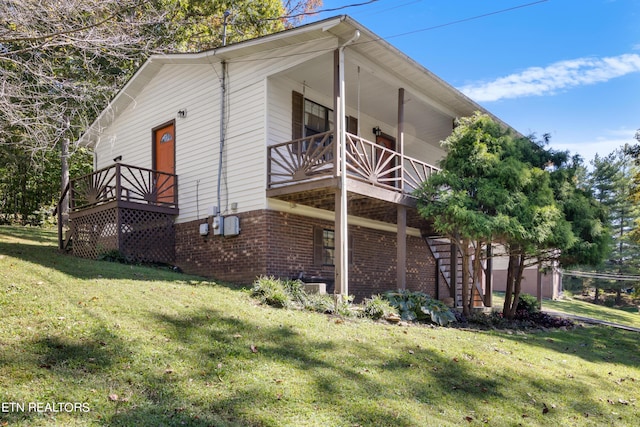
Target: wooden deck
pixel 305 172
pixel 311 161
pixel 127 186
pixel 121 208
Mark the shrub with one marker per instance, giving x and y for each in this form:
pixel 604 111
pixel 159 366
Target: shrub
pixel 419 306
pixel 295 289
pixel 320 303
pixel 113 255
pixel 271 291
pixel 345 307
pixel 440 313
pixel 528 303
pixel 377 307
pixel 291 294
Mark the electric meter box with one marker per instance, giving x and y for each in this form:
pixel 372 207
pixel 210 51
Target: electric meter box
pixel 231 226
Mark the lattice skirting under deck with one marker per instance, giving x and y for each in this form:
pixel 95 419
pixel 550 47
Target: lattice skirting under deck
pixel 138 235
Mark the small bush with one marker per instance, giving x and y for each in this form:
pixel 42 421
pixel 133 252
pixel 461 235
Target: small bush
pixel 295 289
pixel 346 308
pixel 377 307
pixel 320 303
pixel 419 306
pixel 271 291
pixel 528 303
pixel 439 312
pixel 113 255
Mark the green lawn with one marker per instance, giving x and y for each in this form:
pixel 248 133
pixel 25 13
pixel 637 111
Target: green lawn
pixel 140 346
pixel 628 316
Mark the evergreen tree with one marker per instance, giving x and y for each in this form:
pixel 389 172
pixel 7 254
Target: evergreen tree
pixel 612 184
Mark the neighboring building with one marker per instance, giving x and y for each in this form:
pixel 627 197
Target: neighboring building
pixel 227 163
pixel 542 284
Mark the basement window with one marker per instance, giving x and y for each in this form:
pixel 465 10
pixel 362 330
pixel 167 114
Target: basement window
pixel 328 247
pixel 324 247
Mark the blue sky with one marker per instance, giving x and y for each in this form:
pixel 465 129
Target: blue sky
pixel 570 68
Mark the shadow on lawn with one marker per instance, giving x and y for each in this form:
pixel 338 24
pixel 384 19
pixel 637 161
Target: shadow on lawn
pixel 63 359
pixel 48 256
pixel 591 343
pixel 34 234
pixel 586 309
pixel 346 386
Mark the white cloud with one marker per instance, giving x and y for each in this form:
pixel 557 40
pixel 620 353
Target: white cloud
pixel 602 145
pixel 537 81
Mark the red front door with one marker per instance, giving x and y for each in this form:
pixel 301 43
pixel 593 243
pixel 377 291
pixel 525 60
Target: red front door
pixel 164 149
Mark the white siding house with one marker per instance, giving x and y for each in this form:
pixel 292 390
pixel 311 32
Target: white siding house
pixel 242 119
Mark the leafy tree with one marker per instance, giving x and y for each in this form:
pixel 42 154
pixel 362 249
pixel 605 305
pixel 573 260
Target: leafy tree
pixel 495 186
pixel 611 181
pixel 461 199
pixel 61 62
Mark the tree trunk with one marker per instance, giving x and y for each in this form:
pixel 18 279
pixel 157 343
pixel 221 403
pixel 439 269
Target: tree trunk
pixel 464 249
pixel 517 286
pixel 64 206
pixel 509 286
pixel 477 273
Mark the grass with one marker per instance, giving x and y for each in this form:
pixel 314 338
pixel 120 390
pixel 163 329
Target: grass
pixel 623 316
pixel 143 346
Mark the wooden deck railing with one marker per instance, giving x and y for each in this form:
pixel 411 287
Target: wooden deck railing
pixel 121 182
pixel 313 157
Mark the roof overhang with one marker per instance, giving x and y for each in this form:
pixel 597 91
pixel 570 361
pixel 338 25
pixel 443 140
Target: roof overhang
pixel 417 78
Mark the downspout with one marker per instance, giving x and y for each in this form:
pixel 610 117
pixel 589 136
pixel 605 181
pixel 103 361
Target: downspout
pixel 342 138
pixel 223 94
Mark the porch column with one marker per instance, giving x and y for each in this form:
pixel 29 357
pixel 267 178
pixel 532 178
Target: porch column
pixel 400 136
pixel 401 257
pixel 341 226
pixel 341 235
pixel 401 267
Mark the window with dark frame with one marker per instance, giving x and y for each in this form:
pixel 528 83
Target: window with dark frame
pixel 310 118
pixel 328 247
pixel 317 118
pixel 324 247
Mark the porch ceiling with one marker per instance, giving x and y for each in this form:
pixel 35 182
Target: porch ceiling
pixel 358 205
pixel 377 91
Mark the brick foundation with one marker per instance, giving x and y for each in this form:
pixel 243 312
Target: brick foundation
pixel 281 244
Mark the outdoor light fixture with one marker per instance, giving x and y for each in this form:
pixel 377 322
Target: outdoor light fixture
pixel 376 131
pixel 117 159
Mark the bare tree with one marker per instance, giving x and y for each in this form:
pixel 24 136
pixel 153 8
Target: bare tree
pixel 61 61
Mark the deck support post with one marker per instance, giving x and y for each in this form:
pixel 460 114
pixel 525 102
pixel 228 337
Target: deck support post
pixel 401 267
pixel 341 289
pixel 342 237
pixel 401 257
pixel 400 137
